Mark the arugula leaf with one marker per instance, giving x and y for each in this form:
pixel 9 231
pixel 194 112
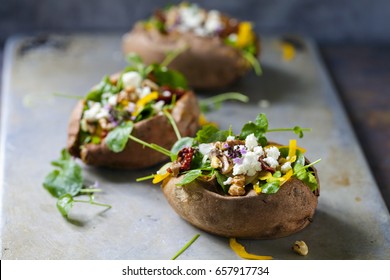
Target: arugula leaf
pixel 104 86
pixel 117 138
pixel 250 128
pixel 210 133
pixel 190 176
pixel 216 101
pixel 262 123
pixel 270 187
pixel 165 76
pixel 302 173
pixel 64 204
pixel 67 178
pixel 145 113
pixel 220 179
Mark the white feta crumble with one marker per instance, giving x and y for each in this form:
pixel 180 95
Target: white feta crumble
pixel 166 93
pixel 272 152
pixel 191 17
pixel 230 138
pixel 273 163
pixel 205 148
pixel 258 151
pixel 286 167
pixel 142 92
pixel 251 142
pixel 249 166
pixel 131 106
pixel 131 79
pixel 228 181
pixel 213 22
pixel 232 37
pixel 96 112
pixel 112 100
pixel 158 106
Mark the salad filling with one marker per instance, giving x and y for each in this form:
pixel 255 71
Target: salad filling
pixel 239 163
pixel 187 17
pixel 137 93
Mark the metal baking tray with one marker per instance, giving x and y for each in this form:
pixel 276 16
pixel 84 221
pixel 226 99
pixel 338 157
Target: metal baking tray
pixel 352 221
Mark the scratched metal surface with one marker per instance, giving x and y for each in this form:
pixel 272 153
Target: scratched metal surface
pixel 352 221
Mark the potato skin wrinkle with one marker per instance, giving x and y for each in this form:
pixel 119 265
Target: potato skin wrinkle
pixel 252 216
pixel 207 63
pixel 156 129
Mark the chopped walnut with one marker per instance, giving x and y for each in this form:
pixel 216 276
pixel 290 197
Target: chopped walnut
pixel 300 248
pixel 105 124
pixel 126 95
pixel 215 162
pixel 238 186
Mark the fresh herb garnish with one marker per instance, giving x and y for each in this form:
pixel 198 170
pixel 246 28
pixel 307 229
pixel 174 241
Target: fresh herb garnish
pixel 215 102
pixel 67 182
pixel 117 138
pixel 189 243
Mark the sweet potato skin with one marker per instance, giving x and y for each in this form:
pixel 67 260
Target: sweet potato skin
pixel 156 130
pixel 207 63
pixel 264 216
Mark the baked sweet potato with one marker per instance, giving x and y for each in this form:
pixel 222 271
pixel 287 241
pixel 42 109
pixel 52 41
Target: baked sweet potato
pixel 241 185
pixel 218 49
pixel 252 216
pixel 95 117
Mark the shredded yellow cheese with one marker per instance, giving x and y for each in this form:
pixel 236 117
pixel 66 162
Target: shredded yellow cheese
pixel 240 250
pixel 288 51
pixel 245 34
pixel 286 177
pixel 160 177
pixel 257 188
pixel 143 101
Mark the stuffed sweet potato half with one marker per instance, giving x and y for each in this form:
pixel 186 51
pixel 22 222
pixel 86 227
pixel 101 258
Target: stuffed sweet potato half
pixel 216 49
pixel 241 185
pixel 137 101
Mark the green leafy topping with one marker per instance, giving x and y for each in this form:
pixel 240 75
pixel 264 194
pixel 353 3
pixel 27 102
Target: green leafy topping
pixel 66 182
pixel 67 178
pixel 165 76
pixel 210 134
pixel 253 61
pixel 117 138
pixel 215 102
pixel 180 144
pixel 190 176
pixel 270 187
pixel 189 243
pixel 258 128
pixel 220 179
pixel 104 86
pixel 302 172
pixel 65 204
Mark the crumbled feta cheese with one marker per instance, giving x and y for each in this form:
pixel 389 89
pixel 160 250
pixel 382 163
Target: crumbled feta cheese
pixel 205 148
pixel 191 16
pixel 158 106
pixel 213 22
pixel 251 142
pixel 249 166
pixel 286 167
pixel 166 93
pixel 273 163
pixel 272 152
pixel 131 79
pixel 84 125
pixel 228 181
pixel 230 138
pixel 232 37
pixel 142 92
pixel 96 112
pixel 112 100
pixel 258 151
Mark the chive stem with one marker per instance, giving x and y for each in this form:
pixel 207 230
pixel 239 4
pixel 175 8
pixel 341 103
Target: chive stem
pixel 151 146
pixel 145 178
pixel 286 129
pixel 90 190
pixel 173 123
pixel 189 243
pixel 172 55
pixel 253 61
pixel 223 97
pixel 93 203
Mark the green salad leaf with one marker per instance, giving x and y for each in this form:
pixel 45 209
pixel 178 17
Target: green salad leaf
pixel 165 76
pixel 66 178
pixel 66 181
pixel 190 176
pixel 209 134
pixel 117 138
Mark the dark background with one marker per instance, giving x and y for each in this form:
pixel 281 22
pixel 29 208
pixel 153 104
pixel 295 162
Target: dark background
pixel 330 21
pixel 353 37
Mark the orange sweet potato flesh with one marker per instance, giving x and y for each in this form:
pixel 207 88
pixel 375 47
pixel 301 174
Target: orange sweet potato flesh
pixel 207 62
pixel 156 130
pixel 253 216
